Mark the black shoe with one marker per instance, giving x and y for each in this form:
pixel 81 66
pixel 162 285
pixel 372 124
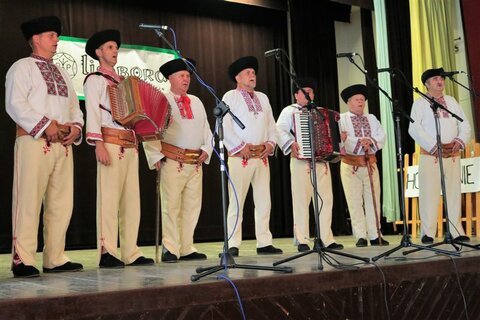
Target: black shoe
pixel 169 257
pixel 335 246
pixel 111 262
pixel 142 261
pixel 194 256
pixel 462 238
pixel 233 251
pixel 376 242
pixel 427 240
pixel 23 271
pixel 361 243
pixel 303 247
pixel 269 250
pixel 66 267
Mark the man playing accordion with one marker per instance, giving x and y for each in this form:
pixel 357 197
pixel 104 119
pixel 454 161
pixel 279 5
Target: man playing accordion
pixel 302 189
pixel 118 191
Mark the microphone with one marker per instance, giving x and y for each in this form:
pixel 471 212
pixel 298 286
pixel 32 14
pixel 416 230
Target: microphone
pixel 347 55
pixel 147 26
pixel 272 52
pixel 450 73
pixel 386 70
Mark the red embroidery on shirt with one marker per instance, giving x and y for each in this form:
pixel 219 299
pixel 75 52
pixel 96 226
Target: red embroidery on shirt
pixel 361 128
pixel 52 76
pixel 442 113
pixel 253 103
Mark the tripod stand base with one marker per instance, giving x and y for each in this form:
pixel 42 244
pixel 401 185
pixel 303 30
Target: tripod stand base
pixel 227 262
pixel 321 249
pixel 406 242
pixel 447 240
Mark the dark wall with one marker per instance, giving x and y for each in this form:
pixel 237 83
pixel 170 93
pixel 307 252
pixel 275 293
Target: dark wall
pixel 214 33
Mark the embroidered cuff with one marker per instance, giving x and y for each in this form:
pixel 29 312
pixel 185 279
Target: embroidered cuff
pixel 92 137
pixel 40 127
pixel 357 147
pixel 238 148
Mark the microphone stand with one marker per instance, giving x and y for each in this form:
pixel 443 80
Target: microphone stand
pixel 448 238
pixel 397 111
pixel 318 246
pixel 226 259
pixel 471 90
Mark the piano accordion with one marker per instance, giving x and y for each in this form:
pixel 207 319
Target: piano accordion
pixel 326 134
pixel 141 106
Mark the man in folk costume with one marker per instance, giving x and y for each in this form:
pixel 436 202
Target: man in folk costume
pixel 186 145
pixel 41 100
pixel 453 135
pixel 248 152
pixel 300 169
pixel 362 136
pixel 118 192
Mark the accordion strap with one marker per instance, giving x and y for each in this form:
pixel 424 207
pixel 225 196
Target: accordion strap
pixel 98 73
pixel 106 76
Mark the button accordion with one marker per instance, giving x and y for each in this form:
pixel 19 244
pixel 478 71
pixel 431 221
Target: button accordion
pixel 326 134
pixel 141 106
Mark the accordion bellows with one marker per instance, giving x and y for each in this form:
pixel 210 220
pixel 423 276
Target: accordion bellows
pixel 141 106
pixel 326 134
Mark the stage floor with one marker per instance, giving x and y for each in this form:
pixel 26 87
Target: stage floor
pixel 95 281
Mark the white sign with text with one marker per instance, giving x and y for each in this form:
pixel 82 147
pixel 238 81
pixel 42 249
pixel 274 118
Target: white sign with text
pixel 470 177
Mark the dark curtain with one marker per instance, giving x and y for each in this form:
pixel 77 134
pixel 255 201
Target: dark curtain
pixel 471 25
pixel 400 55
pixel 314 50
pixel 212 32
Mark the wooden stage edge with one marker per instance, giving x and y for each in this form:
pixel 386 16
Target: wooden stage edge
pixel 422 285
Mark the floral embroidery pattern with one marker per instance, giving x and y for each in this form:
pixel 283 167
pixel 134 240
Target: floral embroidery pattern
pixel 361 128
pixel 121 153
pixel 252 102
pixel 51 75
pixel 442 113
pixel 179 167
pixel 47 147
pixel 265 161
pixel 39 126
